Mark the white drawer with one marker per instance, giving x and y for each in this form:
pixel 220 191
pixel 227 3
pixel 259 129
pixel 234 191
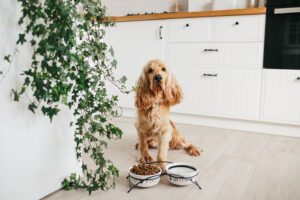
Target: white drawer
pixel 239 28
pixel 220 92
pixel 223 55
pixel 189 30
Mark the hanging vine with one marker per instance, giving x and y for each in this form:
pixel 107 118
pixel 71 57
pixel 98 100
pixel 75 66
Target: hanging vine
pixel 71 66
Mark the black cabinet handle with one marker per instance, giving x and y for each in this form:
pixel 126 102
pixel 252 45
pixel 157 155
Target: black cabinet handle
pixel 210 75
pixel 298 78
pixel 236 23
pixel 187 25
pixel 215 50
pixel 160 32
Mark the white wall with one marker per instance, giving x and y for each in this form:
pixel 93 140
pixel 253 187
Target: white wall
pixel 35 154
pixel 124 7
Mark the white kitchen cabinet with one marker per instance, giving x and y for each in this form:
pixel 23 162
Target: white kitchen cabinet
pixel 189 30
pixel 219 65
pixel 191 54
pixel 239 28
pixel 192 50
pixel 281 96
pixel 237 94
pixel 250 28
pixel 188 80
pixel 134 44
pixel 224 55
pixel 223 93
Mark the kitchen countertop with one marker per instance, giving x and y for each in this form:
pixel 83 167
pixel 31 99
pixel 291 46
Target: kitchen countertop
pixel 213 13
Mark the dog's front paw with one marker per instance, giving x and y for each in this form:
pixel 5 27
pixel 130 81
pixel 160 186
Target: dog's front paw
pixel 146 159
pixel 193 151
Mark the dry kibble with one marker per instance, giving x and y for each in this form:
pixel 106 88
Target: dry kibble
pixel 144 169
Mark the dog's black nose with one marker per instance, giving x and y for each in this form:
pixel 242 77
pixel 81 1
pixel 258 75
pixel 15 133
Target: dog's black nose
pixel 158 78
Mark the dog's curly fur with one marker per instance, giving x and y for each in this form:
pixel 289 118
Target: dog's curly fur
pixel 153 101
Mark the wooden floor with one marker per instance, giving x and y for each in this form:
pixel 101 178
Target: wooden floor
pixel 235 165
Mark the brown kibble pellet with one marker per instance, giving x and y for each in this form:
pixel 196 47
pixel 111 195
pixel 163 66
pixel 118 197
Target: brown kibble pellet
pixel 144 169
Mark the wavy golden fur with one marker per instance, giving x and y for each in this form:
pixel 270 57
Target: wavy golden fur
pixel 157 90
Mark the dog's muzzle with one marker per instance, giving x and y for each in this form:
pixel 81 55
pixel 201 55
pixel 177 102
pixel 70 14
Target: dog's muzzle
pixel 157 78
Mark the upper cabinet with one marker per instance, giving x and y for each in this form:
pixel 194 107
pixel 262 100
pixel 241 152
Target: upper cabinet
pixel 189 30
pixel 281 96
pixel 239 28
pixel 134 44
pixel 248 28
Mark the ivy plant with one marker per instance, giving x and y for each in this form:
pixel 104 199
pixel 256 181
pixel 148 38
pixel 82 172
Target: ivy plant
pixel 71 66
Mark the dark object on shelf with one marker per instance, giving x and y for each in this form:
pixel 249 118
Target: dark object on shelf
pixel 146 13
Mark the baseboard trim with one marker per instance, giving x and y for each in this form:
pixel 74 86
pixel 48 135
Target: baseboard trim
pixel 252 126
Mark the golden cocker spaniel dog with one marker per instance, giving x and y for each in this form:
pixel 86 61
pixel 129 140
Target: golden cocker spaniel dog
pixel 157 90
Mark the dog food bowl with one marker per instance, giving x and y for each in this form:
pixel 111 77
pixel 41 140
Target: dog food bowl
pixel 182 174
pixel 144 181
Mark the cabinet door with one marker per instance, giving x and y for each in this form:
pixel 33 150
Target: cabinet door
pixel 197 92
pixel 189 30
pixel 239 28
pixel 238 94
pixel 281 96
pixel 135 43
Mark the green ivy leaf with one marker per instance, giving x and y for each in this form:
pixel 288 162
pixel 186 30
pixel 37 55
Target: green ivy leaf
pixel 21 39
pixel 32 107
pixel 49 111
pixel 111 50
pixel 7 58
pixel 84 167
pixel 26 81
pixel 114 171
pixel 114 63
pixel 123 79
pixel 16 95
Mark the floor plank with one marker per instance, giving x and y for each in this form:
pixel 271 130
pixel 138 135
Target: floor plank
pixel 277 177
pixel 285 144
pixel 214 143
pixel 248 146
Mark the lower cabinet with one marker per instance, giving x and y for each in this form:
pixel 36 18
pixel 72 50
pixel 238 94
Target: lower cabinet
pixel 281 96
pixel 220 92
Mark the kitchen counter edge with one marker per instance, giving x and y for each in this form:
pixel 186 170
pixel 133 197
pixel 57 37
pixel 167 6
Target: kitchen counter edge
pixel 179 15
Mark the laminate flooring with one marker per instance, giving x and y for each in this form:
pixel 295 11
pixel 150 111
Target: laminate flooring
pixel 235 165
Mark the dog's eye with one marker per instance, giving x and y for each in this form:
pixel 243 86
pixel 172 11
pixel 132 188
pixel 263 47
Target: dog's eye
pixel 150 71
pixel 164 69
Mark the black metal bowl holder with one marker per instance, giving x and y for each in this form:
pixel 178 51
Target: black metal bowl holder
pixel 131 186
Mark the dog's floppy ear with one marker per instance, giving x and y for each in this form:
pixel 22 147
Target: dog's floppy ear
pixel 143 99
pixel 172 92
